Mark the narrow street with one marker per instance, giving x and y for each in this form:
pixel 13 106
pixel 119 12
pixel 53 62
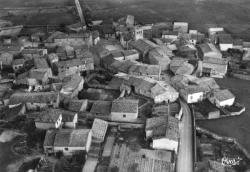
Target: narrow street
pixel 185 159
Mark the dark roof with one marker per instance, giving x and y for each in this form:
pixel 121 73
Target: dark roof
pixel 71 138
pixel 76 105
pixel 47 116
pixel 49 138
pixel 38 97
pixel 225 39
pixel 101 107
pixel 125 106
pixel 40 63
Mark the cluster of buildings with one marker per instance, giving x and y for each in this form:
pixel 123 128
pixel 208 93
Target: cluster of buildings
pixel 43 74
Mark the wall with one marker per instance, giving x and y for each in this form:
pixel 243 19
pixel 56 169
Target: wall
pixel 116 116
pixel 165 143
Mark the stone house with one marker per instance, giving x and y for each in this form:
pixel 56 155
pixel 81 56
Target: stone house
pixel 124 110
pixel 35 100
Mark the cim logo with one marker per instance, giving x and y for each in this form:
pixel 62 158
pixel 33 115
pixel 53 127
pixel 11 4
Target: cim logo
pixel 226 161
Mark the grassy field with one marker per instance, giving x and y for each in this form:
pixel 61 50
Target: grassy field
pixel 236 127
pixel 232 14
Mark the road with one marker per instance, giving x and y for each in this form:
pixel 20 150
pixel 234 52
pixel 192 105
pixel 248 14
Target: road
pixel 185 158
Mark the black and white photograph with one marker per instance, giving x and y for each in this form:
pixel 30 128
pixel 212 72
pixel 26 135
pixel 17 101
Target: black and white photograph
pixel 124 85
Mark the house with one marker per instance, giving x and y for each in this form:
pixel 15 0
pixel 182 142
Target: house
pixel 48 119
pixel 101 107
pixel 143 46
pixel 72 85
pixel 69 67
pixel 188 51
pixel 138 33
pixel 11 114
pixel 99 129
pixel 48 144
pixel 73 39
pixel 164 131
pixel 35 79
pixel 124 110
pixel 68 141
pixel 160 56
pixel 131 55
pixel 225 41
pixel 215 67
pixel 181 27
pixel 40 63
pixel 53 58
pixel 41 75
pixel 107 31
pixel 13 49
pixel 163 92
pixel 69 119
pixel 192 94
pixel 35 100
pixel 151 71
pixel 171 35
pixel 238 44
pixel 76 105
pixel 222 98
pixel 143 160
pixel 212 31
pixel 32 53
pixel 6 59
pixel 18 64
pixel 209 50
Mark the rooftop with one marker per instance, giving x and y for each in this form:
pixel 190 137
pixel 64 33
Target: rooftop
pixel 71 138
pixel 125 106
pixel 35 97
pixel 222 95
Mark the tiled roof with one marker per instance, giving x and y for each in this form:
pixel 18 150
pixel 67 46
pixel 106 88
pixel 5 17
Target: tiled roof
pixel 18 61
pixel 48 115
pixel 99 129
pixel 164 126
pixel 49 138
pixel 40 63
pixel 125 106
pixel 144 69
pixel 39 97
pixel 76 105
pixel 71 138
pixel 208 47
pixel 101 107
pixel 222 95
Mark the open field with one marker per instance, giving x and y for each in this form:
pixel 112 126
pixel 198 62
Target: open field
pixel 232 14
pixel 236 127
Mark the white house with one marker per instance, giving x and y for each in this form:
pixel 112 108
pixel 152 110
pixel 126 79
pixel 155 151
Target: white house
pixel 124 110
pixel 164 132
pixel 164 92
pixel 48 119
pixel 172 35
pixel 192 94
pixel 225 42
pixel 222 98
pixel 71 141
pixel 138 33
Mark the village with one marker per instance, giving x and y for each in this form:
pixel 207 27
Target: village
pixel 110 98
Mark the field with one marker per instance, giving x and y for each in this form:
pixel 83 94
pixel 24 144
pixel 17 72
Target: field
pixel 234 15
pixel 236 127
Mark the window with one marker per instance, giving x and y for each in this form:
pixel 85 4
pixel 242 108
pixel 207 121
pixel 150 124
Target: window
pixel 124 116
pixel 66 149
